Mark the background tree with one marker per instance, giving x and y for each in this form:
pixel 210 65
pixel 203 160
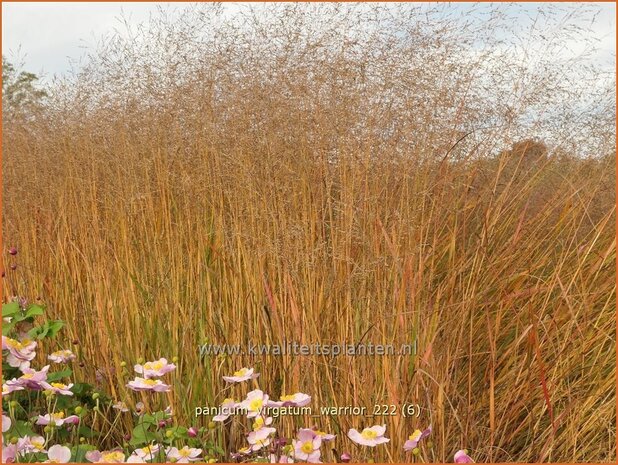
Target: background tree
pixel 21 94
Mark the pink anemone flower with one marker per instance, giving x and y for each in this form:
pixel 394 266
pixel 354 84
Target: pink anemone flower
pixel 31 444
pixel 61 356
pixel 184 455
pixel 30 379
pixel 324 436
pixel 112 456
pixel 7 389
pixel 6 423
pixel 58 454
pixel 58 388
pixel 415 438
pixel 461 456
pixel 260 437
pixel 225 410
pixel 260 422
pixel 9 452
pixel 369 436
pixel 294 400
pixel 254 403
pixel 307 446
pixel 155 369
pixel 241 375
pixel 120 405
pixel 58 419
pixel 242 451
pixel 259 444
pixel 149 452
pixel 20 352
pixel 143 384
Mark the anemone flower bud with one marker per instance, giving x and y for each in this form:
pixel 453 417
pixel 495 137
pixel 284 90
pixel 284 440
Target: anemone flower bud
pixel 345 457
pixel 13 251
pixel 280 442
pixel 192 432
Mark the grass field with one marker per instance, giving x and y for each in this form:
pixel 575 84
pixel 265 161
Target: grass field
pixel 261 184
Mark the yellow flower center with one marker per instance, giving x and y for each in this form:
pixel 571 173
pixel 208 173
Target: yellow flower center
pixel 59 385
pixel 153 365
pixel 150 382
pixel 184 452
pixel 414 436
pixel 255 405
pixel 37 443
pixel 241 372
pixel 307 447
pixel 259 422
pixel 115 456
pixel 147 450
pixel 27 376
pixel 58 416
pixel 369 434
pixel 15 344
pixel 287 398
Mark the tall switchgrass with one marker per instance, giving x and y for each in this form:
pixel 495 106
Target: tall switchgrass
pixel 338 173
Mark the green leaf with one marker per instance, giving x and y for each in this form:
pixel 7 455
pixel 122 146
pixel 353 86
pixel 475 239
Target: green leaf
pixel 10 309
pixel 147 419
pixel 79 453
pixel 141 435
pixel 180 432
pixel 20 429
pixel 9 372
pixel 7 327
pixel 39 332
pixel 80 389
pixel 34 310
pixel 38 457
pixel 86 432
pixel 54 327
pixel 217 449
pixel 48 329
pixel 159 416
pixel 59 375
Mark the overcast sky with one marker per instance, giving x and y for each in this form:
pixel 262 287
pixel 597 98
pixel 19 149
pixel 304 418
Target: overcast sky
pixel 46 37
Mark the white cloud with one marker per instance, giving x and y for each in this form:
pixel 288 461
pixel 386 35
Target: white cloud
pixel 45 36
